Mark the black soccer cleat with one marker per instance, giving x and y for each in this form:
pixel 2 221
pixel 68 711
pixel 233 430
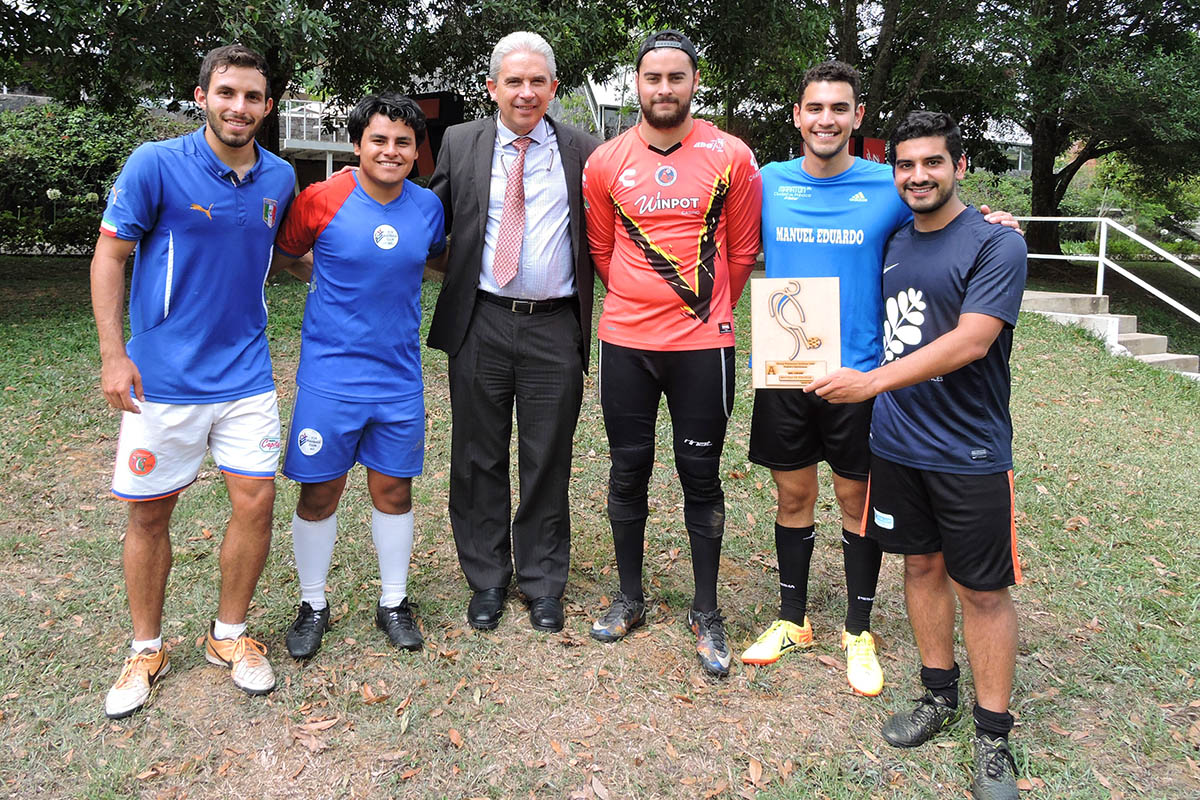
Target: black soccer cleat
pixel 931 716
pixel 304 637
pixel 995 770
pixel 399 625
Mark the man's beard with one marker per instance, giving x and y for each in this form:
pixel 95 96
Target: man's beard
pixel 665 120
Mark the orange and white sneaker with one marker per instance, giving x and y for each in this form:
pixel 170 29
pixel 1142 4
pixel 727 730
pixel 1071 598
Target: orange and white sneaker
pixel 132 689
pixel 862 666
pixel 246 659
pixel 778 639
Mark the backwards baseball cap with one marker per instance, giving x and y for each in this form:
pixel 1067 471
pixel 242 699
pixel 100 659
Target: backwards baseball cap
pixel 668 38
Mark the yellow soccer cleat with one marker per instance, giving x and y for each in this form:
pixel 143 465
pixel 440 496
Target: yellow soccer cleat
pixel 776 640
pixel 862 666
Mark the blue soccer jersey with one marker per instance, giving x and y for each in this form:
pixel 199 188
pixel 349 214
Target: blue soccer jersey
pixel 834 228
pixel 196 309
pixel 361 335
pixel 958 422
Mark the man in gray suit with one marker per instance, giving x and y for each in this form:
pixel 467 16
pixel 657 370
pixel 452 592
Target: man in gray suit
pixel 515 317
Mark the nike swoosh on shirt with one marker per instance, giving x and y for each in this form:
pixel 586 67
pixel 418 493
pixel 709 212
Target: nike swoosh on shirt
pixel 889 266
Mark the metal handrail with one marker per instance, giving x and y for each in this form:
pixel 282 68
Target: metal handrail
pixel 305 120
pixel 1102 260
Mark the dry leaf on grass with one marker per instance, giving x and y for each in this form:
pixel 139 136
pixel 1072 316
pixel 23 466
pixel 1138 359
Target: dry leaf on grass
pixel 456 738
pixel 409 773
pixel 718 788
pixel 756 771
pixel 830 661
pixel 599 789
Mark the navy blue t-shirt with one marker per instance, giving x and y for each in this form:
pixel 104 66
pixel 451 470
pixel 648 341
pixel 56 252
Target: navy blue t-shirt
pixel 959 422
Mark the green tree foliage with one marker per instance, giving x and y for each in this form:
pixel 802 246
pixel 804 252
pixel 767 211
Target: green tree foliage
pixel 58 162
pixel 1103 76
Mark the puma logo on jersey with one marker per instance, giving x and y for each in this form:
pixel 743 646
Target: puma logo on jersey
pixel 205 211
pixel 858 198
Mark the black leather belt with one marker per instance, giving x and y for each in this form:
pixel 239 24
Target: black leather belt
pixel 518 306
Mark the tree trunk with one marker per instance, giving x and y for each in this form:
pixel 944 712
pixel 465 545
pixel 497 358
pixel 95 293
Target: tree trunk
pixel 1042 237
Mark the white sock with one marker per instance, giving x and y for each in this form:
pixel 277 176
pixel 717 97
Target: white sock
pixel 312 544
pixel 228 630
pixel 393 535
pixel 138 645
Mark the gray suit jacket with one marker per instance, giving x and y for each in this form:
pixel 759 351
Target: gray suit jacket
pixel 462 180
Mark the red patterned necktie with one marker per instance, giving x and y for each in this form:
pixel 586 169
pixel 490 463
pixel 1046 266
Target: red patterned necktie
pixel 512 220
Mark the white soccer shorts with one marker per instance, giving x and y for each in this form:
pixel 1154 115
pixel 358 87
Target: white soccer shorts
pixel 161 449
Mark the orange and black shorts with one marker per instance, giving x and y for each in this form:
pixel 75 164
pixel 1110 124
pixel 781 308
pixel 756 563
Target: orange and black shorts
pixel 969 519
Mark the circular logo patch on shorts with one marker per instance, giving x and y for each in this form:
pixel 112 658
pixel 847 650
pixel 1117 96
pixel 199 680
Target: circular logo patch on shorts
pixel 309 441
pixel 141 462
pixel 386 237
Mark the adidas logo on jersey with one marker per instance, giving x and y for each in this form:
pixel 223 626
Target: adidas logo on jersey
pixel 859 198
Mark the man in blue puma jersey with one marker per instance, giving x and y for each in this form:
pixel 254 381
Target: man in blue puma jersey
pixel 827 214
pixel 195 374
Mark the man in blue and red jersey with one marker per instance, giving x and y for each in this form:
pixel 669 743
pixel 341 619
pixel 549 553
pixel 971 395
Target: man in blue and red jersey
pixel 827 214
pixel 941 489
pixel 673 222
pixel 361 395
pixel 196 374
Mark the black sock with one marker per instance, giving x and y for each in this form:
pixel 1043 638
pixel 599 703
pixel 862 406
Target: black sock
pixel 628 539
pixel 992 723
pixel 794 547
pixel 706 560
pixel 942 683
pixel 862 558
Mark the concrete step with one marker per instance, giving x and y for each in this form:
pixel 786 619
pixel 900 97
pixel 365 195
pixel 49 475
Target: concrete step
pixel 1175 361
pixel 1064 302
pixel 1193 375
pixel 1142 344
pixel 1126 323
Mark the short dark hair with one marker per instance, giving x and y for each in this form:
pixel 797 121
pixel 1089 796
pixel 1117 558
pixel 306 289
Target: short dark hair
pixel 392 105
pixel 919 124
pixel 232 55
pixel 831 72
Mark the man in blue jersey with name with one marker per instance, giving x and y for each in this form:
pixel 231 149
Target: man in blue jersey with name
pixel 361 394
pixel 196 374
pixel 941 488
pixel 827 214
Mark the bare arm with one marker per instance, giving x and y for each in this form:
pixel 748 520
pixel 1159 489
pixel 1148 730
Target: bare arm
pixel 969 341
pixel 117 371
pixel 300 267
pixel 438 262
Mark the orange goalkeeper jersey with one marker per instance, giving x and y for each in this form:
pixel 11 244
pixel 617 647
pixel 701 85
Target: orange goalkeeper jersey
pixel 674 236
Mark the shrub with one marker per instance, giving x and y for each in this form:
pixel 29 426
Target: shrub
pixel 56 166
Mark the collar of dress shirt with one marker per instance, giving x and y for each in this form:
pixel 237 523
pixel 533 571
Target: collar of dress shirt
pixel 506 137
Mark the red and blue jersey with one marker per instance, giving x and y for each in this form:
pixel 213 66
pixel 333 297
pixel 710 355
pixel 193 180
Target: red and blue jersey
pixel 196 309
pixel 361 335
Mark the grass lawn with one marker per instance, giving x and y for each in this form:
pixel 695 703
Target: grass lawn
pixel 1126 297
pixel 1106 694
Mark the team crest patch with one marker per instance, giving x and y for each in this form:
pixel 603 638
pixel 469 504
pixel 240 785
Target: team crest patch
pixel 665 175
pixel 309 441
pixel 269 444
pixel 386 237
pixel 270 211
pixel 142 462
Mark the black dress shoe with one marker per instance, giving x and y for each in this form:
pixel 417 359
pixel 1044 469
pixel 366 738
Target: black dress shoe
pixel 546 614
pixel 485 608
pixel 398 623
pixel 304 637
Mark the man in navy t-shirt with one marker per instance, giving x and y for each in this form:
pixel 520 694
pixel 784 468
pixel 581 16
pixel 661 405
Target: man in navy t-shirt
pixel 195 375
pixel 361 395
pixel 940 489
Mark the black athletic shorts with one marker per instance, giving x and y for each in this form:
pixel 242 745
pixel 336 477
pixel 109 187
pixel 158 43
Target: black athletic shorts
pixel 967 518
pixel 793 430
